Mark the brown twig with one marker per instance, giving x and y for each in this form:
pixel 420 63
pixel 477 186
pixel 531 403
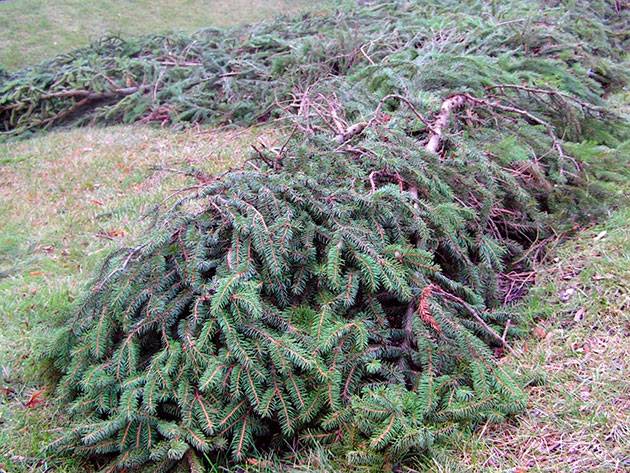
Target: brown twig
pixel 360 127
pixel 471 310
pixel 197 174
pixel 262 156
pixel 540 91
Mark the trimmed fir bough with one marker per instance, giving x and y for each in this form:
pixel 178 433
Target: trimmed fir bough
pixel 344 287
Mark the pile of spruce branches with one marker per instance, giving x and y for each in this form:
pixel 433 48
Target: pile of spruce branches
pixel 344 288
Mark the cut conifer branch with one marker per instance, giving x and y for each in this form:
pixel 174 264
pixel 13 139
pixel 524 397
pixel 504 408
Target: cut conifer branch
pixel 549 92
pixel 86 94
pixel 458 101
pixel 471 310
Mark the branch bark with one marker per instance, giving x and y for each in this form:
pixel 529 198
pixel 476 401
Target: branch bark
pixel 87 94
pixel 450 105
pixel 455 102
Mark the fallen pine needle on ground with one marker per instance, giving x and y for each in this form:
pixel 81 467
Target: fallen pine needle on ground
pixel 578 416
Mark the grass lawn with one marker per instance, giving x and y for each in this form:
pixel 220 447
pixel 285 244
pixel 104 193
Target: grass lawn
pixel 578 417
pixel 34 30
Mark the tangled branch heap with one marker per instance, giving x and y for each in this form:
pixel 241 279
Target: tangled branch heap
pixel 246 75
pixel 346 287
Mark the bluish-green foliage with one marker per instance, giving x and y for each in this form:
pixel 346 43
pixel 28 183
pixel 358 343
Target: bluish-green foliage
pixel 342 291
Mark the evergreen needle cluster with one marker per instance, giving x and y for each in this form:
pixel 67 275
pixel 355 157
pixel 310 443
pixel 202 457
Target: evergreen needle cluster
pixel 346 287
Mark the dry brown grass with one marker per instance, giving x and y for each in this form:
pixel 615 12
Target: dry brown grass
pixel 578 419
